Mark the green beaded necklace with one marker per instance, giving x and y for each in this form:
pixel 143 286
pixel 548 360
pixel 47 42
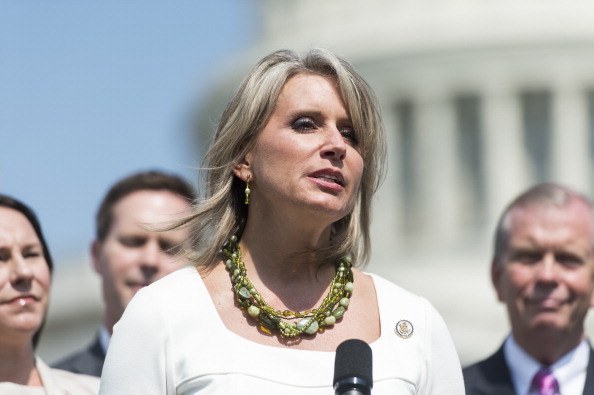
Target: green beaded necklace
pixel 311 321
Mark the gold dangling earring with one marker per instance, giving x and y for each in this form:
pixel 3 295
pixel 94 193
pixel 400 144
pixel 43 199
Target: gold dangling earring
pixel 247 190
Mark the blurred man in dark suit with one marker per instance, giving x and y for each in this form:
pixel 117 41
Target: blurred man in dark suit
pixel 543 270
pixel 127 254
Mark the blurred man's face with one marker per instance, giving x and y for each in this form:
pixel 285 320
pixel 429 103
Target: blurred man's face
pixel 547 274
pixel 132 256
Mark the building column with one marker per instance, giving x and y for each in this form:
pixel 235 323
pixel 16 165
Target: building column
pixel 505 155
pixel 571 145
pixel 436 167
pixel 388 202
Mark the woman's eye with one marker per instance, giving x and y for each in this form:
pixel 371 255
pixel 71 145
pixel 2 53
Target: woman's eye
pixel 349 135
pixel 304 123
pixel 33 252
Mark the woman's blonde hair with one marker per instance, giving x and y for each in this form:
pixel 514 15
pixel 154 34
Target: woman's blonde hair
pixel 221 212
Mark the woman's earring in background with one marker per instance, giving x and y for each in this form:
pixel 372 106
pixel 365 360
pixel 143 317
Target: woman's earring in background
pixel 247 190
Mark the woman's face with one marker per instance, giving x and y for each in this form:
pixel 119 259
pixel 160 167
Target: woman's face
pixel 306 159
pixel 24 276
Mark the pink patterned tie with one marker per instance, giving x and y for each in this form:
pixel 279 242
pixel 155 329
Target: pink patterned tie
pixel 545 383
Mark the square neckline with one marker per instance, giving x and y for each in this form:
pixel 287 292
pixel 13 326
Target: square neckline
pixel 240 339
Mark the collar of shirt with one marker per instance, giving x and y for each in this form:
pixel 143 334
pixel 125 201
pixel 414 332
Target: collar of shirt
pixel 104 338
pixel 570 370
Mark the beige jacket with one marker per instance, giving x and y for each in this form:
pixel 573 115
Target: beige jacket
pixel 55 382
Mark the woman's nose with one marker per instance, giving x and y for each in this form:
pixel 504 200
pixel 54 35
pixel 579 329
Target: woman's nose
pixel 22 272
pixel 334 144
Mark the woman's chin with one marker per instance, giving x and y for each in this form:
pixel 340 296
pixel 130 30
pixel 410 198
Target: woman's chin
pixel 25 322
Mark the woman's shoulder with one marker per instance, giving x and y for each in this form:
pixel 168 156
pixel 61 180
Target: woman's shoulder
pixel 7 387
pixel 55 380
pixel 387 288
pixel 164 295
pixel 182 279
pixel 398 304
pixel 77 383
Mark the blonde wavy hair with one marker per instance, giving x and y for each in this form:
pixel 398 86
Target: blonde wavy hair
pixel 220 210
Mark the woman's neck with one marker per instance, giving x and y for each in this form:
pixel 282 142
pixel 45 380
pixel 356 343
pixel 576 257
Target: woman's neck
pixel 17 365
pixel 279 263
pixel 284 253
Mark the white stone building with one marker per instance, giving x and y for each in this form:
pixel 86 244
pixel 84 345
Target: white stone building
pixel 480 101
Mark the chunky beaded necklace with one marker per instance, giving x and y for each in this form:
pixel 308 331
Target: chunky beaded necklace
pixel 332 308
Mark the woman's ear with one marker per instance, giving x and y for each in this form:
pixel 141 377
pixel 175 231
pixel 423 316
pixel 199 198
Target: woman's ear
pixel 243 168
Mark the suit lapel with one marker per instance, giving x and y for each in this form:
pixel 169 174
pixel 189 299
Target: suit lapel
pixel 589 385
pixel 496 379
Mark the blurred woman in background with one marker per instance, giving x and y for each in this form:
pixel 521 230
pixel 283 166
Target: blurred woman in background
pixel 25 278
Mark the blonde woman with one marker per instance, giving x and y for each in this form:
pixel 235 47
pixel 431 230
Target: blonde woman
pixel 282 224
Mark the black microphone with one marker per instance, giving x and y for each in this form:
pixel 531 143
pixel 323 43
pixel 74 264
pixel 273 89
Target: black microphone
pixel 353 368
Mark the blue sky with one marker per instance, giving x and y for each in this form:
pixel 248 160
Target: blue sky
pixel 91 91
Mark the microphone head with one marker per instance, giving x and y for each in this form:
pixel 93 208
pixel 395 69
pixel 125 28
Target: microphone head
pixel 353 367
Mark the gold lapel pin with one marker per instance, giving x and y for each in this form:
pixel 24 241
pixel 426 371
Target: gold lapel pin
pixel 404 329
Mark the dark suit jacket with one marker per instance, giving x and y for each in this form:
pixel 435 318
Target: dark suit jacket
pixel 492 376
pixel 88 361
